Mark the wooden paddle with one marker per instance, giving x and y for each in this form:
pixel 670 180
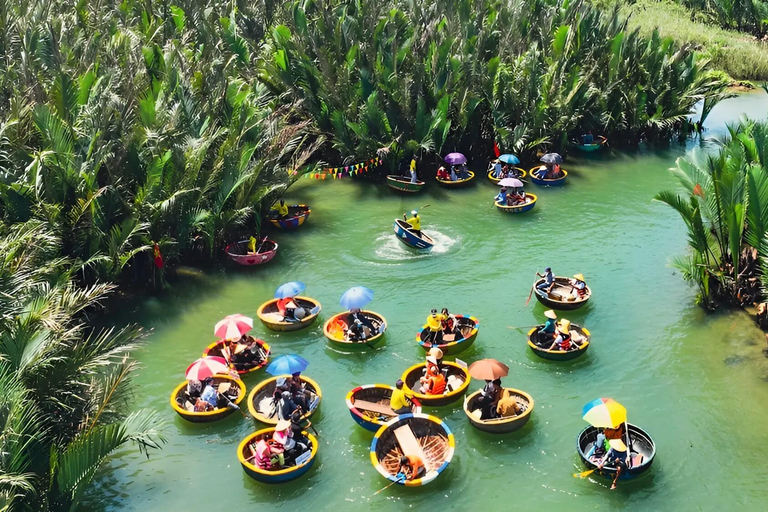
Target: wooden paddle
pixel 387 486
pixel 530 294
pixel 584 474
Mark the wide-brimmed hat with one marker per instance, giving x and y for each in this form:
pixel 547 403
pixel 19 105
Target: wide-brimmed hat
pixel 564 326
pixel 617 444
pixel 550 314
pixel 283 425
pixel 580 277
pixel 436 353
pixel 431 359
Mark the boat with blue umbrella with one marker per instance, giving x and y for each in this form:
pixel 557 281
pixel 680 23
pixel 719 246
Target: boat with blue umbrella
pixel 357 329
pixel 510 161
pixel 262 400
pixel 410 238
pixel 550 174
pixel 289 311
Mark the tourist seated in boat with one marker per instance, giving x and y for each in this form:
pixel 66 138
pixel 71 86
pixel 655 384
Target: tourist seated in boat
pixel 542 172
pixel 454 175
pixel 202 406
pixel 398 402
pixel 462 172
pixel 268 455
pixel 517 197
pixel 245 353
pixel 551 323
pixel 599 449
pixel 442 174
pixel 414 222
pixel 435 326
pixel 563 340
pixel 617 457
pixel 555 172
pixel 578 286
pixel 549 280
pixel 448 323
pixel 501 197
pixel 299 394
pixel 286 406
pixel 298 426
pixel 433 383
pixel 209 393
pixel 194 388
pixel 357 332
pixel 411 468
pixel 489 399
pixel 507 406
pixel 356 314
pixel 285 443
pixel 587 139
pixel 279 210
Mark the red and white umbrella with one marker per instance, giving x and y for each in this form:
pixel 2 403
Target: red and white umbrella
pixel 232 327
pixel 207 367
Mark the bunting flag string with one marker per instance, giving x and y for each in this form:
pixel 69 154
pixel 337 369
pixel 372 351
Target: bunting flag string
pixel 336 173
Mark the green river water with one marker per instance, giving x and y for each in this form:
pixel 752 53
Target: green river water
pixel 697 383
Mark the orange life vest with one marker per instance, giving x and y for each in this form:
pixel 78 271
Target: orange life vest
pixel 436 384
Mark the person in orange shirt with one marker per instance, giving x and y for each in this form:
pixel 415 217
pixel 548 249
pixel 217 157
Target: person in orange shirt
pixel 412 467
pixel 434 385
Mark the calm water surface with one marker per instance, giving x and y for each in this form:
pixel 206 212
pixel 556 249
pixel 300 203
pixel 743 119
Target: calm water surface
pixel 697 383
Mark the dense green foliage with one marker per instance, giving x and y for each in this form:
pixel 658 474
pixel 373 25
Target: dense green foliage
pixel 725 206
pixel 64 388
pixel 744 15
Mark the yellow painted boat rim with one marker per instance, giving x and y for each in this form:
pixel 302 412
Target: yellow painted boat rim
pixel 422 396
pixel 369 340
pixel 501 421
pixel 248 439
pixel 215 412
pixel 261 385
pixel 306 319
pixel 558 352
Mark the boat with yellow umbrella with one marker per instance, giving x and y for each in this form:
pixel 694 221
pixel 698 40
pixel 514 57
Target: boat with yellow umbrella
pixel 513 410
pixel 611 446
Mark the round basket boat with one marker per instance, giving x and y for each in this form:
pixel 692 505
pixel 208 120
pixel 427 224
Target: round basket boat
pixel 588 148
pixel 457 378
pixel 405 234
pixel 467 333
pixel 261 357
pixel 274 320
pixel 297 214
pixel 522 174
pixel 519 208
pixel 263 408
pixel 457 183
pixel 334 331
pixel 184 407
pixel 641 446
pixel 499 425
pixel 403 184
pixel 369 405
pixel 549 183
pixel 246 454
pixel 560 297
pixel 540 343
pixel 420 435
pixel 238 252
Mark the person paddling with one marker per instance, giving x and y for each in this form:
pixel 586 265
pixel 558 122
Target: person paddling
pixel 501 197
pixel 414 222
pixel 411 468
pixel 616 457
pixel 549 281
pixel 398 401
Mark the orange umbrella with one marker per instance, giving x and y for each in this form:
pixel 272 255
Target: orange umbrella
pixel 488 369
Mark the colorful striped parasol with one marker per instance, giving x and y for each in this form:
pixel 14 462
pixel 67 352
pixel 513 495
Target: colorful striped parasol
pixel 604 413
pixel 232 327
pixel 207 367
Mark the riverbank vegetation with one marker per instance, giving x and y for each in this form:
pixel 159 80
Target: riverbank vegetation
pixel 725 207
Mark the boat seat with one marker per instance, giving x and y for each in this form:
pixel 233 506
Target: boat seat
pixel 410 445
pixel 304 457
pixel 377 408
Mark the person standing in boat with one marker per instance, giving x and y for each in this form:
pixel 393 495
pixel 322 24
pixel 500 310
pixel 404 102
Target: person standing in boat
pixel 414 222
pixel 549 281
pixel 501 197
pixel 414 176
pixel 398 401
pixel 435 325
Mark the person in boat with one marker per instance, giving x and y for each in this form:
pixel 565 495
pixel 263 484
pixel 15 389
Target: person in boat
pixel 556 172
pixel 252 245
pixel 414 176
pixel 463 172
pixel 434 325
pixel 437 355
pixel 563 339
pixel 448 325
pixel 240 357
pixel 268 455
pixel 587 139
pixel 579 286
pixel 209 393
pixel 202 406
pixel 549 281
pixel 287 307
pixel 501 197
pixel 285 443
pixel 411 468
pixel 507 406
pixel 299 394
pixel 550 325
pixel 442 174
pixel 433 383
pixel 194 388
pixel 489 399
pixel 617 457
pixel 433 365
pixel 286 406
pixel 357 332
pixel 280 210
pixel 398 402
pixel 357 314
pixel 517 197
pixel 497 169
pixel 616 433
pixel 414 222
pixel 454 176
pixel 298 426
pixel 599 449
pixel 542 172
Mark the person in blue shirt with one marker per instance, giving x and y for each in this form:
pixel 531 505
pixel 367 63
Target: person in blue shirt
pixel 549 280
pixel 210 394
pixel 550 324
pixel 496 169
pixel 501 197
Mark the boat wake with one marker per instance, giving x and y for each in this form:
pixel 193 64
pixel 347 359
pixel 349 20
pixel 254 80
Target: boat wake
pixel 390 249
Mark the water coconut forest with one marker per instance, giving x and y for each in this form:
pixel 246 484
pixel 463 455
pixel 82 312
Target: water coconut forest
pixel 344 254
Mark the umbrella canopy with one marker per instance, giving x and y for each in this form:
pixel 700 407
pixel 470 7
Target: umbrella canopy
pixel 232 327
pixel 455 159
pixel 604 413
pixel 488 369
pixel 291 289
pixel 356 297
pixel 207 367
pixel 509 159
pixel 552 158
pixel 290 363
pixel 511 182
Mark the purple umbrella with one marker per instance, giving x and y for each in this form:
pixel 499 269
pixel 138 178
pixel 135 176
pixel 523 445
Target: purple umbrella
pixel 455 159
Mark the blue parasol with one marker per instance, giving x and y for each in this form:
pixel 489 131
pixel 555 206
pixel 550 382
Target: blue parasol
pixel 509 159
pixel 356 297
pixel 287 364
pixel 291 289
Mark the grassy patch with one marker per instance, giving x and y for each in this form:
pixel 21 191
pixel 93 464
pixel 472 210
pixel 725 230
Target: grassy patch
pixel 738 54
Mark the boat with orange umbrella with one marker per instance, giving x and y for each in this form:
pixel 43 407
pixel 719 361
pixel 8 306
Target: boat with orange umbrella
pixel 517 413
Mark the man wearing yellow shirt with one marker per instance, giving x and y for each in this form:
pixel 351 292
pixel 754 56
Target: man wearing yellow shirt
pixel 435 326
pixel 398 402
pixel 281 209
pixel 414 222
